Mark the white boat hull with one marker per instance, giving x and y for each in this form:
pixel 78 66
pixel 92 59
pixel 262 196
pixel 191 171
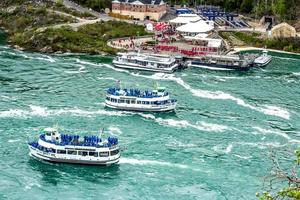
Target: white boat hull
pixel 262 62
pixel 142 108
pixel 52 157
pixel 210 68
pixel 144 68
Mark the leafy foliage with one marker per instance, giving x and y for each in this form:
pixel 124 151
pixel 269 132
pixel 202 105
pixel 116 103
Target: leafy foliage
pixel 291 192
pixel 90 38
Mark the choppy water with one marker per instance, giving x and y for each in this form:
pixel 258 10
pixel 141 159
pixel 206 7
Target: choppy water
pixel 213 147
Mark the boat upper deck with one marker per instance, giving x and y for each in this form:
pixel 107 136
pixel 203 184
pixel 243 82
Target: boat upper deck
pixel 137 93
pixel 86 141
pixel 149 58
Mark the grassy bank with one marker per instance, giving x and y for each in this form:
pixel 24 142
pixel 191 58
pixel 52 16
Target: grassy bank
pixel 31 27
pixel 90 38
pixel 258 40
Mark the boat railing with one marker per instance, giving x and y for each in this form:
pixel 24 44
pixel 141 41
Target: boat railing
pixel 134 93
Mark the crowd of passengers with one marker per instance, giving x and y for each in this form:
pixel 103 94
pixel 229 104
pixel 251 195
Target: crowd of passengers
pixel 88 140
pixel 135 93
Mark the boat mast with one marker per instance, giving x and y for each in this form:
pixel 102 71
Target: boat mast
pixel 101 133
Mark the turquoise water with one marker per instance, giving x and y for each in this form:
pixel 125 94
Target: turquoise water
pixel 215 145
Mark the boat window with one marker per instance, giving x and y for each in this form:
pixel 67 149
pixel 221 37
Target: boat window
pixel 115 152
pixel 103 154
pixel 122 101
pixel 138 102
pixel 82 153
pixel 92 153
pixel 133 101
pixel 107 98
pixel 72 152
pixel 128 101
pixel 61 151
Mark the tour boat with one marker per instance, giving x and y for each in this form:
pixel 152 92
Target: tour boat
pixel 146 62
pixel 157 100
pixel 263 60
pixel 223 62
pixel 57 147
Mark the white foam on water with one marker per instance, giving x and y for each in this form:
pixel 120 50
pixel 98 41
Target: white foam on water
pixel 180 144
pixel 283 58
pixel 260 145
pixel 213 127
pixel 216 95
pixel 115 130
pixel 13 113
pixel 79 112
pixel 107 78
pixel 296 73
pixel 133 161
pixel 294 141
pixel 147 116
pixel 100 65
pixel 45 112
pixel 221 149
pixel 243 157
pixel 44 58
pixel 219 95
pixel 39 111
pixel 266 131
pixel 202 126
pixel 13 141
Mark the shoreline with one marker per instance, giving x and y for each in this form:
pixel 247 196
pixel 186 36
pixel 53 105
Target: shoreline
pixel 239 49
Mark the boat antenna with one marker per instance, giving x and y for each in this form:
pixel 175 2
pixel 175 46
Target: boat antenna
pixel 56 126
pixel 101 132
pixel 156 85
pixel 118 84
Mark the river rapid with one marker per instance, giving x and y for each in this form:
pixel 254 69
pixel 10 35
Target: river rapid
pixel 215 146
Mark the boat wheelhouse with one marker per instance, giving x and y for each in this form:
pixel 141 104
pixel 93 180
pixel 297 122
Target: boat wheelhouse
pixel 146 62
pixel 223 62
pixel 157 100
pixel 263 60
pixel 54 146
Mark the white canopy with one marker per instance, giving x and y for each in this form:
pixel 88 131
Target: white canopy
pixel 199 26
pixel 216 43
pixel 185 18
pixel 196 37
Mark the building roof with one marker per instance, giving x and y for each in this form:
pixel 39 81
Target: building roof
pixel 140 2
pixel 199 26
pixel 185 18
pixel 283 25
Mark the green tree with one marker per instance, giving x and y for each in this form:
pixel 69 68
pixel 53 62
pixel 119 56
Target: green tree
pixel 246 6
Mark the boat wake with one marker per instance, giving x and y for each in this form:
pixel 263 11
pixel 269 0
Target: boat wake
pixel 115 130
pixel 80 70
pixel 219 95
pixel 133 161
pixel 276 132
pixel 202 126
pixel 216 95
pixel 45 112
pixel 221 149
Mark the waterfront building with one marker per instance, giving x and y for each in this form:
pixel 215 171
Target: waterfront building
pixel 283 30
pixel 140 9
